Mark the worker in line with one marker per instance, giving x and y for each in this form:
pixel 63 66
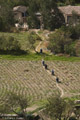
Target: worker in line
pixel 41 51
pixel 43 62
pixel 52 72
pixel 57 80
pixel 45 65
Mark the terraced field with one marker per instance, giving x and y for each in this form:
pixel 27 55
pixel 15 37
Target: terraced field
pixel 31 80
pixel 69 75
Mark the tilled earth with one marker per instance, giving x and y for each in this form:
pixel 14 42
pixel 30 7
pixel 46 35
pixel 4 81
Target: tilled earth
pixel 30 79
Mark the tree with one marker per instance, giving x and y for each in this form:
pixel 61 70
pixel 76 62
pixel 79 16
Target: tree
pixel 6 17
pixel 58 108
pixel 14 102
pixel 52 17
pixel 13 3
pixel 55 107
pixel 32 18
pixel 59 41
pixel 70 2
pixel 32 38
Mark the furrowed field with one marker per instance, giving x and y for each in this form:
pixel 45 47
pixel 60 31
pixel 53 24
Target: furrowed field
pixel 30 79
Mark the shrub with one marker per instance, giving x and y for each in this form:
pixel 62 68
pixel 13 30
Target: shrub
pixel 70 49
pixel 10 45
pixel 65 40
pixel 2 43
pixel 72 118
pixel 36 37
pixel 73 30
pixel 77 47
pixel 32 38
pixel 59 41
pixel 13 44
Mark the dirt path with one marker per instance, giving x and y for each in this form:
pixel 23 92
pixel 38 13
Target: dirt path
pixel 38 49
pixel 35 107
pixel 32 108
pixel 62 92
pixel 57 84
pixel 39 46
pixel 42 44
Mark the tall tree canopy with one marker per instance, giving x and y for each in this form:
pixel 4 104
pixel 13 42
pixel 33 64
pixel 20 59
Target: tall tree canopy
pixel 6 17
pixel 51 16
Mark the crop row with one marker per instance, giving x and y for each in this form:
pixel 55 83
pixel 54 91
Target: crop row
pixel 27 78
pixel 69 75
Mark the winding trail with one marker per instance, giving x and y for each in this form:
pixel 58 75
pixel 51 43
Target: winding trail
pixel 42 43
pixel 38 47
pixel 62 92
pixel 32 108
pixel 57 84
pixel 35 107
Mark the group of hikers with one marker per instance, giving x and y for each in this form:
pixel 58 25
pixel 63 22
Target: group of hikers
pixel 52 72
pixel 45 66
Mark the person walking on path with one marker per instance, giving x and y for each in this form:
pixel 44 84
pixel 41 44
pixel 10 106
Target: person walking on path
pixel 43 62
pixel 41 51
pixel 52 72
pixel 45 66
pixel 57 80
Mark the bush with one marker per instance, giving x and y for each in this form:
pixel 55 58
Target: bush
pixel 58 108
pixel 70 49
pixel 65 40
pixel 32 38
pixel 13 44
pixel 36 37
pixel 3 43
pixel 73 30
pixel 59 41
pixel 9 45
pixel 77 47
pixel 72 118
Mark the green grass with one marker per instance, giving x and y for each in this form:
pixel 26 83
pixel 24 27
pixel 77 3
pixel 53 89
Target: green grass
pixel 35 56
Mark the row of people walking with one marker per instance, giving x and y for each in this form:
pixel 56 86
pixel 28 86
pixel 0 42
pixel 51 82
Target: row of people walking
pixel 52 72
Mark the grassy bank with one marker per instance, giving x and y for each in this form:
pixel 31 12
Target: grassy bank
pixel 37 56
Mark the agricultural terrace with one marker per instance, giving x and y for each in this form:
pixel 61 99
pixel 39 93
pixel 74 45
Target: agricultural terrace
pixel 30 79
